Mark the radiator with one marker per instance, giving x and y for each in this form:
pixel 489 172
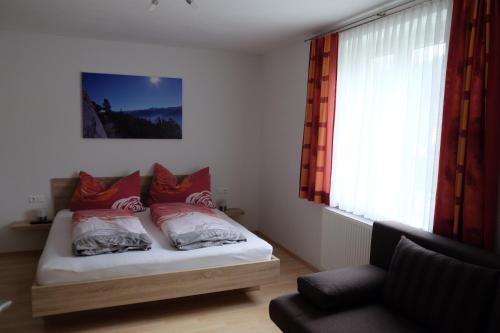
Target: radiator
pixel 345 241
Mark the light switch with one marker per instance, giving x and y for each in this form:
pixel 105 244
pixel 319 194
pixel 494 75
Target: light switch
pixel 36 198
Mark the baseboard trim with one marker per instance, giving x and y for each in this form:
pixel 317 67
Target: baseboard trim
pixel 288 251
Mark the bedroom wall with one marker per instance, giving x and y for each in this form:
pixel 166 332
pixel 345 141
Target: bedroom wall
pixel 40 108
pixel 292 222
pixel 243 116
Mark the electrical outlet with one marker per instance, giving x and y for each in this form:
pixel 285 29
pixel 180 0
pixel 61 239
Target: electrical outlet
pixel 222 190
pixel 36 198
pixel 31 198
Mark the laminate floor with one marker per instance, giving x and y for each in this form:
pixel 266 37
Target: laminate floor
pixel 235 312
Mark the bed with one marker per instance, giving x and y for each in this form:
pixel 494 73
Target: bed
pixel 65 283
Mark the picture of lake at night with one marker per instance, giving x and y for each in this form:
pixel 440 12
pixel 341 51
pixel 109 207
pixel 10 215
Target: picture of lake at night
pixel 131 107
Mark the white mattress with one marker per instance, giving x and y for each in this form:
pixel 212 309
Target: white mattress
pixel 58 265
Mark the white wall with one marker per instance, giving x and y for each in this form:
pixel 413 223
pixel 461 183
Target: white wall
pixel 293 222
pixel 40 123
pixel 243 116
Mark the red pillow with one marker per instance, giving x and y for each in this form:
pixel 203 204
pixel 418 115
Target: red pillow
pixel 193 189
pixel 91 193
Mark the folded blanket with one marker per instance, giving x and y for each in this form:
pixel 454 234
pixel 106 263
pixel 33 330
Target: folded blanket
pixel 106 231
pixel 191 227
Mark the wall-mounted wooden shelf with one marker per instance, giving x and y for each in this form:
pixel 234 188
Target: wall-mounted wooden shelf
pixel 26 225
pixel 234 213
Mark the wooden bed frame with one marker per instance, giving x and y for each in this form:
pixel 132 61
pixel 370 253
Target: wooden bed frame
pixel 70 297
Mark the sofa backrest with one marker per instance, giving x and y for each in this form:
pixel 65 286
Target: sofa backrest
pixel 386 235
pixel 495 316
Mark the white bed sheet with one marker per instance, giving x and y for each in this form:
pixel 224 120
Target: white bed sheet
pixel 58 264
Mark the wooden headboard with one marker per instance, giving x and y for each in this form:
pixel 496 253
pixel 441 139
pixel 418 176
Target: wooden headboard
pixel 62 189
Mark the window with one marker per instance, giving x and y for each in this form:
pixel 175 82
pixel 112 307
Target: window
pixel 390 87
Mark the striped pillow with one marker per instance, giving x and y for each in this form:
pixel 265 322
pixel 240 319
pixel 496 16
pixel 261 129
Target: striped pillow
pixel 440 292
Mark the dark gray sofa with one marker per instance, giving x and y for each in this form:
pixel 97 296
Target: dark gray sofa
pixel 417 283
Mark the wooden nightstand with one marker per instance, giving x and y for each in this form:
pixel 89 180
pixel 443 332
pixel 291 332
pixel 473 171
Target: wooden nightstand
pixel 26 225
pixel 234 213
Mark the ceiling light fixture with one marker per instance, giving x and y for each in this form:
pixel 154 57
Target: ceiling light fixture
pixel 154 5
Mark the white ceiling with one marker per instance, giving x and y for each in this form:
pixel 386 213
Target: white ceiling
pixel 249 26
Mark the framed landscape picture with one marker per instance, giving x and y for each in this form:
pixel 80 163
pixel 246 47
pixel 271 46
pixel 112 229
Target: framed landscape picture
pixel 132 107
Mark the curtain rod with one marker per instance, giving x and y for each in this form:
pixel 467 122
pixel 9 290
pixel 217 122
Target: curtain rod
pixel 370 16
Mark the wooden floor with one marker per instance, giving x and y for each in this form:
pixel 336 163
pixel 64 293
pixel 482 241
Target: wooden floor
pixel 222 312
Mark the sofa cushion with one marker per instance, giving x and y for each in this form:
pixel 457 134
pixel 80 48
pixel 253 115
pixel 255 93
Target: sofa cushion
pixel 293 314
pixel 442 293
pixel 343 286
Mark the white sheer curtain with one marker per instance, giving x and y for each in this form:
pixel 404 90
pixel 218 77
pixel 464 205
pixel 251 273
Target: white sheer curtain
pixel 389 105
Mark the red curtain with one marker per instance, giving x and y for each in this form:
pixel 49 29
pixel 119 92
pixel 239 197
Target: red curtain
pixel 467 188
pixel 316 164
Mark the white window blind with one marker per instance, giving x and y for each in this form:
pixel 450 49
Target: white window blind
pixel 390 86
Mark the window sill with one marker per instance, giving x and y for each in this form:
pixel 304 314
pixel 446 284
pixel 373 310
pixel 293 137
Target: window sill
pixel 355 218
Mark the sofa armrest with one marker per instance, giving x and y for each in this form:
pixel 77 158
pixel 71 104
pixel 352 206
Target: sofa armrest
pixel 342 287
